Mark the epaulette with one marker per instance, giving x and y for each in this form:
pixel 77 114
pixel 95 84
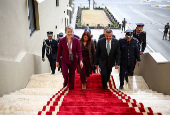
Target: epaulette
pixel 44 41
pixel 136 40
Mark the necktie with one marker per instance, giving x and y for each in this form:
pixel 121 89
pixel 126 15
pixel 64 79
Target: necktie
pixel 108 47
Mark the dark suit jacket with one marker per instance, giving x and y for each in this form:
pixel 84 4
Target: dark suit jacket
pixel 102 36
pixel 76 36
pixel 91 48
pixel 53 45
pixel 101 56
pixel 63 49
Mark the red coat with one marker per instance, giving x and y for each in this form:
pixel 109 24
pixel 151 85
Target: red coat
pixel 63 49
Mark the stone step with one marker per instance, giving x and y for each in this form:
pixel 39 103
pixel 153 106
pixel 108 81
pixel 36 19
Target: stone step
pixel 163 113
pixel 36 91
pixel 149 94
pixel 17 113
pixel 149 97
pixel 144 91
pixel 162 104
pixel 46 81
pixel 34 98
pixel 22 106
pixel 161 110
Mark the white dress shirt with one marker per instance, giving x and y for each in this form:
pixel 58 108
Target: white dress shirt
pixel 109 44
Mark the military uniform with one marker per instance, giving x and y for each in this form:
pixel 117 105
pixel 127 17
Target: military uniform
pixel 51 47
pixel 141 40
pixel 129 53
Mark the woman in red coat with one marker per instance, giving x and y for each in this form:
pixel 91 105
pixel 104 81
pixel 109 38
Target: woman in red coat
pixel 88 54
pixel 69 47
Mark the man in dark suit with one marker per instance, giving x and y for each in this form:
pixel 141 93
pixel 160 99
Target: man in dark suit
pixel 107 54
pixel 129 53
pixel 103 35
pixel 87 29
pixel 74 35
pixel 51 46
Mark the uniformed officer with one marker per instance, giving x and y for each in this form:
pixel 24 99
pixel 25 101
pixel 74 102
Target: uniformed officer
pixel 50 45
pixel 61 35
pixel 140 35
pixel 129 52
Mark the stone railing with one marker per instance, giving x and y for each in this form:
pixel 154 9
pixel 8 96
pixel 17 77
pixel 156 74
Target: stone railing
pixel 155 70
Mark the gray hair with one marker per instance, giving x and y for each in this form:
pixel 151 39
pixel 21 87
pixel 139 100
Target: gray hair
pixel 109 31
pixel 68 27
pixel 105 28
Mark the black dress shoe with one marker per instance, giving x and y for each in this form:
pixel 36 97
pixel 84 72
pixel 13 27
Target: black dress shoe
pixel 105 88
pixel 120 87
pixel 64 86
pixel 53 73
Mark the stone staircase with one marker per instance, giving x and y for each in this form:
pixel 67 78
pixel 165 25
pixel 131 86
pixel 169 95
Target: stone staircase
pixel 30 100
pixel 41 87
pixel 137 89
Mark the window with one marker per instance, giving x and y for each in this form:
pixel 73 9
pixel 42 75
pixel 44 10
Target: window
pixel 31 16
pixel 57 2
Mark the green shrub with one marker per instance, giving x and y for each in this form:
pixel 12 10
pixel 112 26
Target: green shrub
pixel 79 22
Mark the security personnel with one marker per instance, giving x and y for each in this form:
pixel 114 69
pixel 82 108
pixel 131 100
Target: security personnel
pixel 61 35
pixel 51 46
pixel 129 52
pixel 140 35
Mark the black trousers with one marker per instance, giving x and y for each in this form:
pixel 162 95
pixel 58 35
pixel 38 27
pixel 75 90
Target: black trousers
pixel 105 75
pixel 165 34
pixel 125 71
pixel 52 63
pixel 93 69
pixel 123 27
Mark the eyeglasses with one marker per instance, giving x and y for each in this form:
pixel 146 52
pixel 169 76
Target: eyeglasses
pixel 140 28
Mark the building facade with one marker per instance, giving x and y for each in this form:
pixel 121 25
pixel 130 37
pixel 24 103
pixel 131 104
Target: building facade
pixel 24 24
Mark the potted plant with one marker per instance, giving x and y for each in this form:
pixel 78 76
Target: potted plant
pixel 83 26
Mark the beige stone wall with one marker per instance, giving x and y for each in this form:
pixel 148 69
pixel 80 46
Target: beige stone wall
pixel 14 29
pixel 15 38
pixel 156 72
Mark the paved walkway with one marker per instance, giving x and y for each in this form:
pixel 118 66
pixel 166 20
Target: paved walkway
pixel 96 32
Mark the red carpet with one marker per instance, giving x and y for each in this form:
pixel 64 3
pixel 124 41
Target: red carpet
pixel 93 100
